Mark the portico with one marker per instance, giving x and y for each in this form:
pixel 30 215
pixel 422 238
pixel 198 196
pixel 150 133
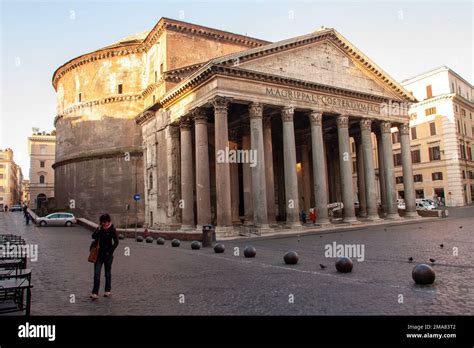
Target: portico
pixel 297 129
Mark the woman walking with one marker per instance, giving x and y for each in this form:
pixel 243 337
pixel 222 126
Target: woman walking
pixel 106 236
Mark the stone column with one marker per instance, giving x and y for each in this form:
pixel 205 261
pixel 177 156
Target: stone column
pixel 234 181
pixel 203 188
pixel 306 177
pixel 187 194
pixel 390 186
pixel 259 188
pixel 345 165
pixel 319 168
pixel 369 171
pixel 289 158
pixel 269 174
pixel 247 180
pixel 360 177
pixel 224 217
pixel 383 191
pixel 408 183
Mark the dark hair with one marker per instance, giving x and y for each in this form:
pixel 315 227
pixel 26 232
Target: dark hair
pixel 105 218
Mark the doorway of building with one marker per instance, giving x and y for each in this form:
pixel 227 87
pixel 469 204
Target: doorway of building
pixel 439 193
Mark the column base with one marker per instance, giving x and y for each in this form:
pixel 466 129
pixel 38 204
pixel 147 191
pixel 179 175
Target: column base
pixel 411 215
pixel 350 219
pixel 373 218
pixel 293 224
pixel 393 216
pixel 225 231
pixel 188 228
pixel 323 222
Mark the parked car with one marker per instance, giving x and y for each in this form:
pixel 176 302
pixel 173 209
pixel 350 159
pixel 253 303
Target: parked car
pixel 16 207
pixel 56 219
pixel 422 205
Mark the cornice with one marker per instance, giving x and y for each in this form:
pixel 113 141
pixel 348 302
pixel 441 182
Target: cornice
pixel 212 70
pixel 149 41
pixel 133 151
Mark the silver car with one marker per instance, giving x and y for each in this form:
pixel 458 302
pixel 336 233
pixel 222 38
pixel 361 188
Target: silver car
pixel 57 219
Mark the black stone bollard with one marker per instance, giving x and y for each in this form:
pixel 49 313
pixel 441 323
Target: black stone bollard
pixel 149 239
pixel 291 258
pixel 175 243
pixel 195 245
pixel 423 274
pixel 139 239
pixel 344 265
pixel 160 241
pixel 121 236
pixel 219 248
pixel 250 251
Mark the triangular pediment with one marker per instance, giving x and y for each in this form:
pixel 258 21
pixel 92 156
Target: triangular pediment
pixel 322 63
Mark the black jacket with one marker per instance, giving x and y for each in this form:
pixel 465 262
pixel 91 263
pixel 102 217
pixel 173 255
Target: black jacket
pixel 108 240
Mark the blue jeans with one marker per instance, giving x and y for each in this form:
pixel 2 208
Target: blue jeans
pixel 107 262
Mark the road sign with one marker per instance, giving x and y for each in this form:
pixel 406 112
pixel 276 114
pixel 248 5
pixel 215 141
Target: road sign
pixel 137 197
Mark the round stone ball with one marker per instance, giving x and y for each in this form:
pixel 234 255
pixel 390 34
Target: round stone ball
pixel 149 239
pixel 250 251
pixel 423 274
pixel 219 248
pixel 291 258
pixel 195 245
pixel 344 265
pixel 175 243
pixel 160 241
pixel 139 239
pixel 121 236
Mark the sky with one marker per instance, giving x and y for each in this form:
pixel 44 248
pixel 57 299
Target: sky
pixel 405 38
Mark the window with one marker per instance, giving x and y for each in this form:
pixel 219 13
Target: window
pixel 79 97
pixel 399 179
pixel 120 88
pixel 430 111
pixel 43 150
pixel 452 87
pixel 463 151
pixel 459 127
pixel 465 131
pixel 415 156
pixel 395 137
pixel 456 108
pixel 420 193
pixel 459 90
pixel 397 159
pixel 418 178
pixel 464 174
pixel 471 174
pixel 434 153
pixel 469 152
pixel 432 128
pixel 463 112
pixel 150 181
pixel 437 176
pixel 41 179
pixel 413 133
pixel 429 92
pixel 42 164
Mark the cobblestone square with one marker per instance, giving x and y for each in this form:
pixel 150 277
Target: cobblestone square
pixel 156 280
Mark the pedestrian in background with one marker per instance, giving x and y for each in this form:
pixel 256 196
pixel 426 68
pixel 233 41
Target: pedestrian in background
pixel 106 237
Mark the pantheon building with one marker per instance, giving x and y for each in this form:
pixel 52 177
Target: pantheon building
pixel 212 127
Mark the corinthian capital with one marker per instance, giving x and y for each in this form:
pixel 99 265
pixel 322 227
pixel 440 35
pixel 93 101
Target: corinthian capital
pixel 220 104
pixel 199 115
pixel 366 124
pixel 316 118
pixel 185 122
pixel 385 126
pixel 404 129
pixel 287 113
pixel 342 121
pixel 256 110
